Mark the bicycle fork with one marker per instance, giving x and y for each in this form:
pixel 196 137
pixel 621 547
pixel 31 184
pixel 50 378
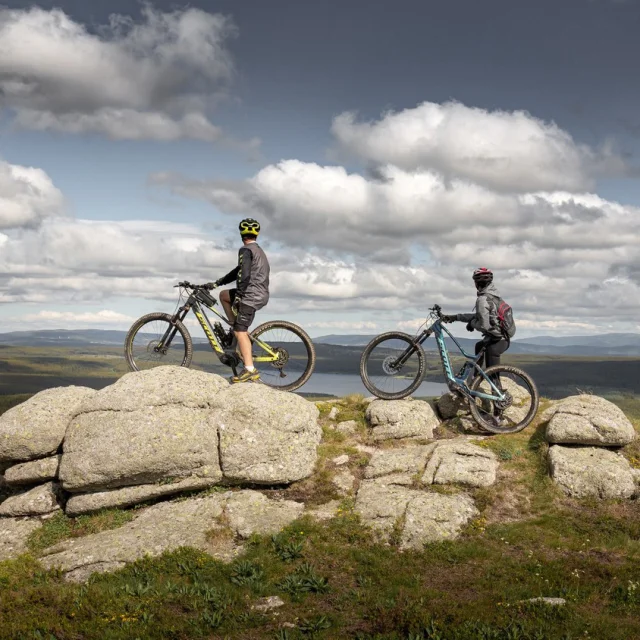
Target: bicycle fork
pixel 170 333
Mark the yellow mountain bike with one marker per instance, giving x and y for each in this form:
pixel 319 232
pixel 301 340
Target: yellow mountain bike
pixel 282 352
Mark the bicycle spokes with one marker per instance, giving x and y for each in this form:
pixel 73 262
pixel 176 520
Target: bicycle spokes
pixel 155 342
pixel 283 354
pixel 510 412
pixel 391 367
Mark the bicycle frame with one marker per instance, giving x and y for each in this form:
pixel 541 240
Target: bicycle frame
pixel 471 362
pixel 196 302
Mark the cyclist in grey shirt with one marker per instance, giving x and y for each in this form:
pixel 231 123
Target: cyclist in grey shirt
pixel 250 294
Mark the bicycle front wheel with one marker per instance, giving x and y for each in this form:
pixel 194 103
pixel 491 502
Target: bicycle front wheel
pixel 295 355
pixel 143 349
pixel 392 367
pixel 519 408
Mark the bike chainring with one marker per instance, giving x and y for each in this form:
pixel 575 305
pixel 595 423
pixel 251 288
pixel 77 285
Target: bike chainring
pixel 230 359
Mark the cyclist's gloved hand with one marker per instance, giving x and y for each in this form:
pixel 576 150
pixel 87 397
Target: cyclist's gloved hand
pixel 470 327
pixel 211 285
pixel 449 318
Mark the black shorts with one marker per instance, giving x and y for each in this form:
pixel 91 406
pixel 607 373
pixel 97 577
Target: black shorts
pixel 246 314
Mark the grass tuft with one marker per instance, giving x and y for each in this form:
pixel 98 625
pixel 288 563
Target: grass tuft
pixel 60 527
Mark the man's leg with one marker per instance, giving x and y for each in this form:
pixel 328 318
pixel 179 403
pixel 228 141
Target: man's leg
pixel 245 348
pixel 492 358
pixel 494 351
pixel 479 347
pixel 226 298
pixel 241 325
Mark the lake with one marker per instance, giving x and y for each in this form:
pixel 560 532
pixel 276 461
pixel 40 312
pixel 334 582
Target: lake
pixel 341 385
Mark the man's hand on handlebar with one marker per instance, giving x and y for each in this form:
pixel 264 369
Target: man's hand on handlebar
pixel 449 318
pixel 185 284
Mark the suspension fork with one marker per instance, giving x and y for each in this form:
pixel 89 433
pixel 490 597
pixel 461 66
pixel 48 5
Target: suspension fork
pixel 171 331
pixel 412 349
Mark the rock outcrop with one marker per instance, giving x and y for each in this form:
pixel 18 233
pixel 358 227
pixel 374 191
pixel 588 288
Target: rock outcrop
pixel 148 426
pixel 14 533
pixel 36 428
pixel 172 430
pixel 579 430
pixel 444 462
pixel 211 523
pixel 583 472
pixel 418 517
pixel 33 472
pixel 266 436
pixel 455 462
pixel 39 501
pixel 589 420
pixel 151 434
pixel 400 419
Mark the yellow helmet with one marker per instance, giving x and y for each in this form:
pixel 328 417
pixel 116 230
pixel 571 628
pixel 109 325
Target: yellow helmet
pixel 249 227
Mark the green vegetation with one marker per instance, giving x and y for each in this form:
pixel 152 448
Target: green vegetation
pixel 337 581
pixel 61 527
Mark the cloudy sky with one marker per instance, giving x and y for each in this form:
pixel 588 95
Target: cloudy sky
pixel 387 148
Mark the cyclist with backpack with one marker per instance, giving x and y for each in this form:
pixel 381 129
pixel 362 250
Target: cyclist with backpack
pixel 250 294
pixel 492 317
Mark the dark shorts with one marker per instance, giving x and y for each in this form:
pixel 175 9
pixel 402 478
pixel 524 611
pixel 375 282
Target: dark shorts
pixel 246 314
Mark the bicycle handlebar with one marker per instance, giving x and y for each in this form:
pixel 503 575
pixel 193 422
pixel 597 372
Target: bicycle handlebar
pixel 437 311
pixel 188 285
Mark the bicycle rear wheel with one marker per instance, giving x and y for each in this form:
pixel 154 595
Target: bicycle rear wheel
pixel 296 355
pixel 380 371
pixel 516 412
pixel 146 334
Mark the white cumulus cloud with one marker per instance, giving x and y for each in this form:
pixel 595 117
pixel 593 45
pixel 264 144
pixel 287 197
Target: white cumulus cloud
pixel 409 234
pixel 157 78
pixel 509 151
pixel 27 197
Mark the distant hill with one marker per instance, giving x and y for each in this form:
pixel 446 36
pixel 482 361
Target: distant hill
pixel 67 338
pixel 608 344
pixel 612 340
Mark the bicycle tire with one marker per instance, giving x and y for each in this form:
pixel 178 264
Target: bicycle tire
pixel 492 428
pixel 153 317
pixel 383 337
pixel 306 341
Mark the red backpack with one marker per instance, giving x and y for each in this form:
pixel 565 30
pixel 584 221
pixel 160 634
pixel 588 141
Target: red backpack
pixel 504 313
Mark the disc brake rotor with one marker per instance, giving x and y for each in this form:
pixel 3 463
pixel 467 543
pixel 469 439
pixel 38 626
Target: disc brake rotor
pixel 151 347
pixel 389 367
pixel 504 404
pixel 283 358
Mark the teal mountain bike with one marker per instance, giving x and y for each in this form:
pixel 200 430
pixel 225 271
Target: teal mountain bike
pixel 502 399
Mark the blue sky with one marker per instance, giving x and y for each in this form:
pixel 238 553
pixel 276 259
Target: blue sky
pixel 167 127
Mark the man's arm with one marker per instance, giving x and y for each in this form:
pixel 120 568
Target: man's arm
pixel 465 317
pixel 230 277
pixel 243 272
pixel 481 320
